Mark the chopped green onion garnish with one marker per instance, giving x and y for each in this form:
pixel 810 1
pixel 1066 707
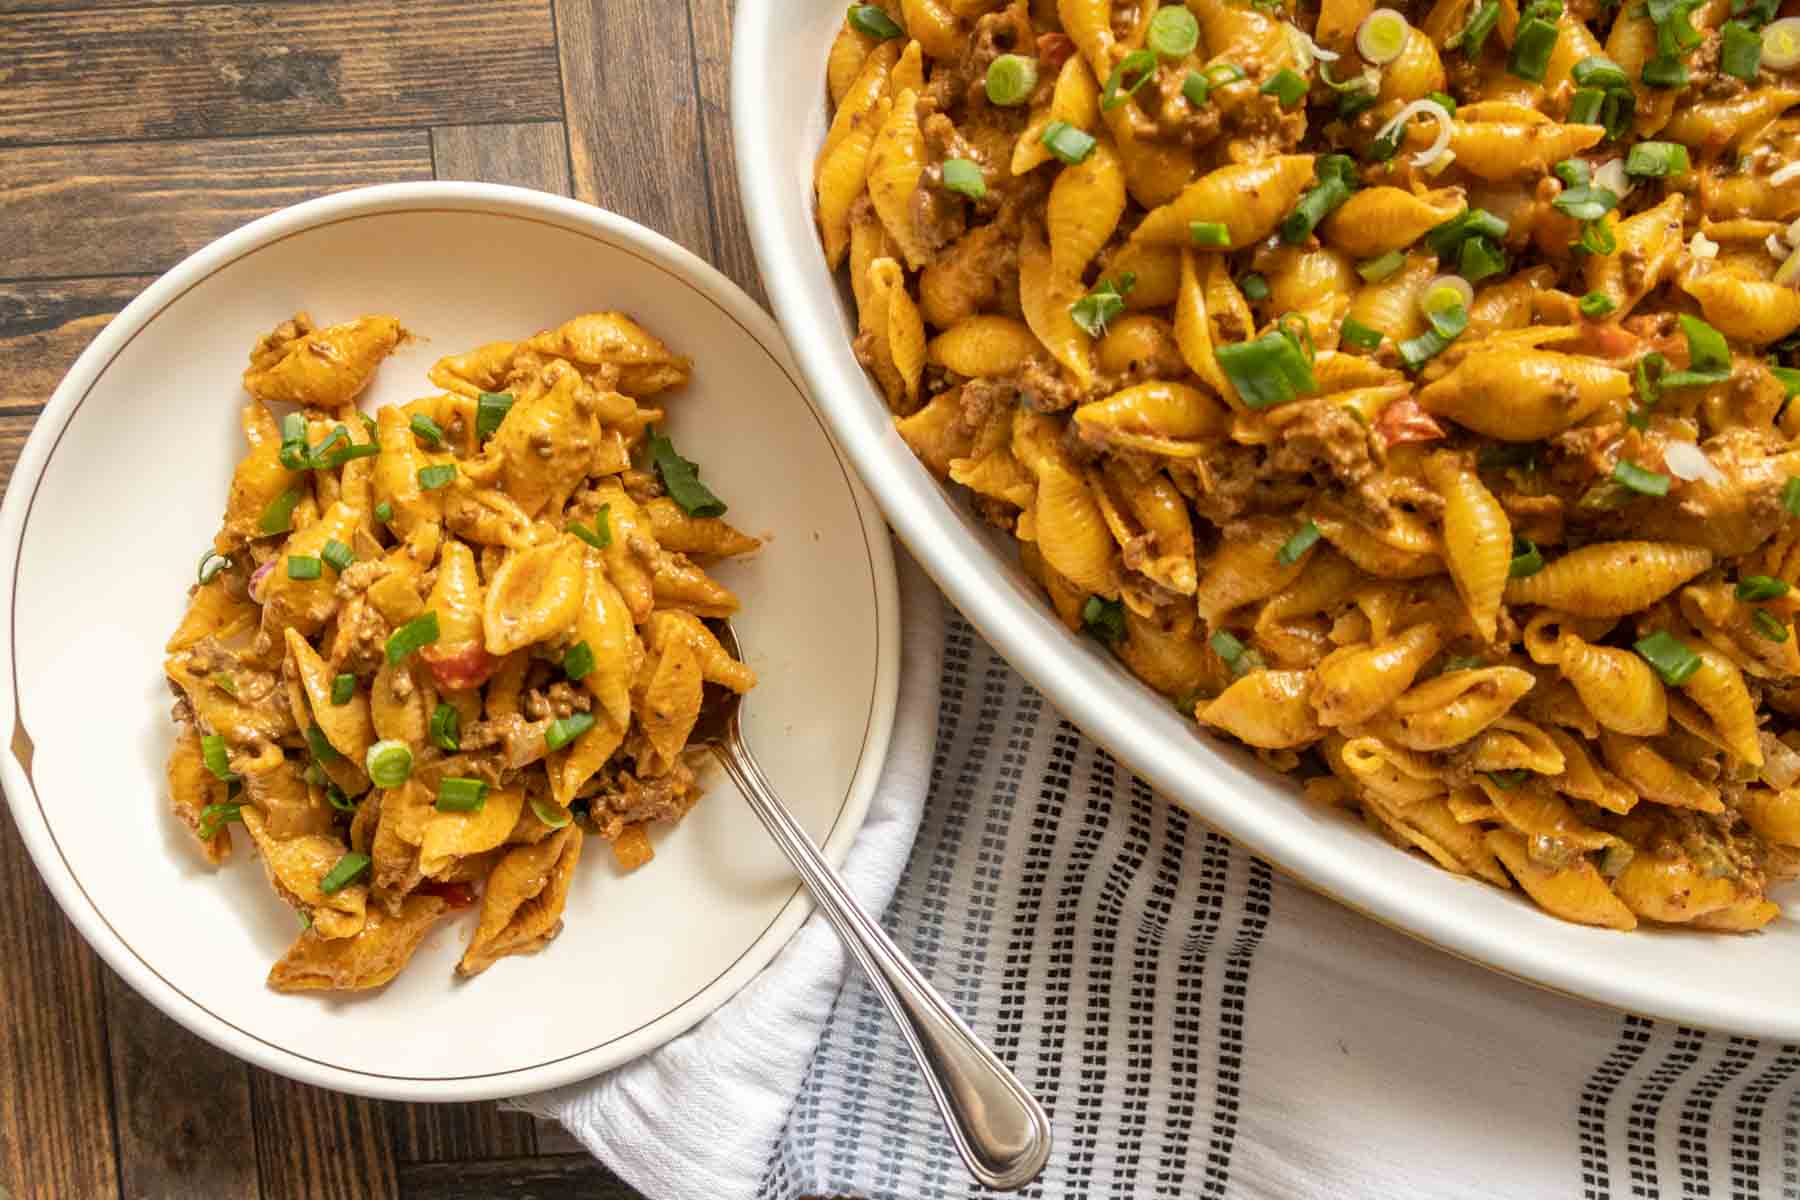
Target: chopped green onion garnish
pixel 211 563
pixel 1790 496
pixel 334 796
pixel 681 479
pixel 343 687
pixel 1657 160
pixel 564 730
pixel 1742 53
pixel 433 478
pixel 1336 175
pixel 1443 100
pixel 1374 270
pixel 1234 654
pixel 1287 88
pixel 1446 326
pixel 1211 234
pixel 1532 45
pixel 214 816
pixel 1788 378
pixel 446 728
pixel 549 813
pixel 1474 33
pixel 216 758
pixel 1354 334
pixel 1139 63
pixel 348 869
pixel 1296 546
pixel 1595 305
pixel 1195 90
pixel 1268 370
pixel 578 661
pixel 1585 106
pixel 320 745
pixel 1582 200
pixel 1444 239
pixel 872 20
pixel 964 178
pixel 1105 619
pixel 461 795
pixel 315 775
pixel 1254 287
pixel 1768 625
pixel 1481 258
pixel 600 536
pixel 279 516
pixel 1665 71
pixel 1598 71
pixel 1709 356
pixel 384 512
pixel 426 430
pixel 1628 474
pixel 490 410
pixel 1506 781
pixel 1754 588
pixel 1670 656
pixel 293 442
pixel 337 555
pixel 1106 301
pixel 224 682
pixel 1527 559
pixel 419 632
pixel 1173 32
pixel 388 762
pixel 1011 78
pixel 302 566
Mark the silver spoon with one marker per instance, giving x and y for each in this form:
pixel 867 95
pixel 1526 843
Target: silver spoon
pixel 998 1127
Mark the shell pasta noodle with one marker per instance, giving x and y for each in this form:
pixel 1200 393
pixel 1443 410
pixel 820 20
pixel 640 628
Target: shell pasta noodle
pixel 434 650
pixel 1403 392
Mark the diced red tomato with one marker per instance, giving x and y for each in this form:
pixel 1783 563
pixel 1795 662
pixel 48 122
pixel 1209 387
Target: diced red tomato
pixel 460 666
pixel 1054 50
pixel 1405 421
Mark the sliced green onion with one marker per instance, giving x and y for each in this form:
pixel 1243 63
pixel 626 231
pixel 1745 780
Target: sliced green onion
pixel 1527 559
pixel 1287 87
pixel 1755 588
pixel 1445 239
pixel 1657 160
pixel 302 566
pixel 872 20
pixel 426 430
pixel 490 410
pixel 1707 348
pixel 549 813
pixel 1382 36
pixel 1445 293
pixel 343 687
pixel 1254 287
pixel 681 480
pixel 349 868
pixel 1781 44
pixel 1585 202
pixel 279 516
pixel 315 775
pixel 214 817
pixel 224 682
pixel 1142 64
pixel 461 795
pixel 1354 334
pixel 1173 32
pixel 1446 326
pixel 1532 45
pixel 1234 654
pixel 446 728
pixel 1336 174
pixel 564 730
pixel 334 796
pixel 1480 258
pixel 1268 370
pixel 1105 619
pixel 1788 378
pixel 578 661
pixel 320 745
pixel 211 563
pixel 1665 71
pixel 1295 547
pixel 216 758
pixel 964 178
pixel 337 555
pixel 1474 33
pixel 1195 90
pixel 1585 106
pixel 1352 104
pixel 1790 496
pixel 417 633
pixel 1629 475
pixel 1598 71
pixel 1011 79
pixel 1741 56
pixel 1768 625
pixel 1210 234
pixel 1669 655
pixel 1374 270
pixel 435 477
pixel 388 762
pixel 1595 305
pixel 1093 311
pixel 292 454
pixel 600 536
pixel 384 512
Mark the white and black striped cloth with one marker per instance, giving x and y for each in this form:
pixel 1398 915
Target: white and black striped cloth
pixel 1196 1024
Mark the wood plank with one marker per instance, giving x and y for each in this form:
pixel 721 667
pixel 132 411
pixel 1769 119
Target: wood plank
pixel 552 1138
pixel 45 324
pixel 634 125
pixel 184 1125
pixel 569 1177
pixel 55 1104
pixel 732 253
pixel 312 1144
pixel 435 1133
pixel 533 156
pixel 138 208
pixel 205 70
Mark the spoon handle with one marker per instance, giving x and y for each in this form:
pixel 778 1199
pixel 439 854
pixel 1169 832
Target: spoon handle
pixel 1000 1130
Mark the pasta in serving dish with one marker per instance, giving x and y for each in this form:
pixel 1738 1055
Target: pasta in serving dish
pixel 1399 391
pixel 439 646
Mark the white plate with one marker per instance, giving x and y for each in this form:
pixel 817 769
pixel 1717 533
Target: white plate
pixel 121 486
pixel 1742 984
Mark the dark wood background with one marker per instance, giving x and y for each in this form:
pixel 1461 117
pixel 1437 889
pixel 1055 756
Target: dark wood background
pixel 130 135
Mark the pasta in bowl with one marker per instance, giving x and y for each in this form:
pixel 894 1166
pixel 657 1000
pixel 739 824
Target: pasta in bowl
pixel 1389 389
pixel 439 646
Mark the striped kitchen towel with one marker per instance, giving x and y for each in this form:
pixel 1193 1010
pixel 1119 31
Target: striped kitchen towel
pixel 1196 1024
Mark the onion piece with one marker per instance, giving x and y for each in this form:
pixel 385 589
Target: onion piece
pixel 1382 36
pixel 1781 762
pixel 1689 462
pixel 1446 292
pixel 258 575
pixel 1786 174
pixel 1776 246
pixel 1426 108
pixel 1701 246
pixel 1611 176
pixel 1788 273
pixel 1306 51
pixel 1781 44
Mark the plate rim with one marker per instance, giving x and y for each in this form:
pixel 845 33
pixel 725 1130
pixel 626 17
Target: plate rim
pixel 1208 782
pixel 569 216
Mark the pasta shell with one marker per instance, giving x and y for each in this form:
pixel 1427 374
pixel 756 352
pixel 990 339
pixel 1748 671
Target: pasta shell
pixel 1718 688
pixel 1249 199
pixel 1610 579
pixel 896 161
pixel 369 960
pixel 1084 208
pixel 1752 310
pixel 1574 892
pixel 1452 708
pixel 1072 533
pixel 1046 298
pixel 1524 395
pixel 1267 709
pixel 1246 568
pixel 1619 688
pixel 534 596
pixel 1478 539
pixel 1357 682
pixel 522 904
pixel 984 347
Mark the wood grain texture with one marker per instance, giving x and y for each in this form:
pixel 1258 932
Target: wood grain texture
pixel 182 1106
pixel 132 208
pixel 44 325
pixel 570 1177
pixel 534 155
pixel 429 1133
pixel 54 1095
pixel 633 116
pixel 317 1145
pixel 732 252
pixel 205 70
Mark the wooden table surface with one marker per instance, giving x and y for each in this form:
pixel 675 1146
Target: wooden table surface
pixel 130 135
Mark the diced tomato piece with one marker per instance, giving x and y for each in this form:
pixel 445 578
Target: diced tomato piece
pixel 1405 421
pixel 1054 50
pixel 461 665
